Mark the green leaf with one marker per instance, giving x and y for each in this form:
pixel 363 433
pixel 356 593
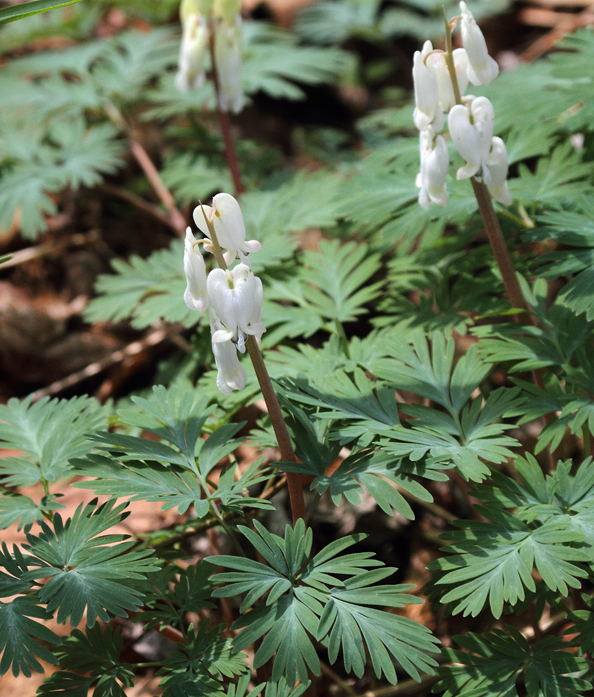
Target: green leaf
pixel 198 665
pixel 349 623
pixel 49 432
pixel 97 657
pixel 493 663
pixel 15 564
pixel 301 599
pixel 275 64
pixel 87 571
pixel 144 290
pixel 14 507
pixel 74 156
pixel 172 592
pixel 27 9
pixel 19 634
pixel 493 561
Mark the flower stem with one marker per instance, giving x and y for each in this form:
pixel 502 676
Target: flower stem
pixel 485 203
pixel 500 250
pixel 225 126
pixel 280 428
pixel 274 411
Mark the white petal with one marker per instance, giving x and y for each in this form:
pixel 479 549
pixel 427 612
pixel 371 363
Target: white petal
pixel 228 61
pixel 222 300
pixel 192 53
pixel 461 65
pixel 465 139
pixel 200 220
pixel 498 166
pixel 196 294
pixel 426 93
pixel 228 222
pixel 473 140
pixel 231 374
pixel 482 68
pixel 434 169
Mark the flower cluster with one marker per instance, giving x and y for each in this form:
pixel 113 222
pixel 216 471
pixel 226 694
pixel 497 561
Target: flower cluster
pixel 223 18
pixel 470 123
pixel 232 297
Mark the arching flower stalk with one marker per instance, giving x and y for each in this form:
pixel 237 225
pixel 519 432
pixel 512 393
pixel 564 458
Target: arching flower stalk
pixel 440 81
pixel 234 299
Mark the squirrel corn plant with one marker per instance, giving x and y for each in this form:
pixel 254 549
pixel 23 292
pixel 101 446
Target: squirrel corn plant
pixel 440 80
pixel 424 426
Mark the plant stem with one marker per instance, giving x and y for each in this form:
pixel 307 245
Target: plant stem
pixel 225 126
pixel 178 221
pixel 280 428
pixel 500 250
pixel 485 203
pixel 274 411
pixel 493 230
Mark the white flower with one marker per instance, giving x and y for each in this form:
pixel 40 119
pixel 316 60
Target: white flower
pixel 196 295
pixel 482 68
pixel 226 217
pixel 192 53
pixel 437 64
pixel 434 169
pixel 498 167
pixel 473 138
pixel 236 296
pixel 426 92
pixel 231 374
pixel 227 49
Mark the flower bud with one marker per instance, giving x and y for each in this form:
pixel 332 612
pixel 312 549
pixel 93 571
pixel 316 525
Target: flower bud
pixel 482 68
pixel 227 49
pixel 473 139
pixel 192 53
pixel 236 296
pixel 498 168
pixel 231 374
pixel 196 295
pixel 435 161
pixel 227 219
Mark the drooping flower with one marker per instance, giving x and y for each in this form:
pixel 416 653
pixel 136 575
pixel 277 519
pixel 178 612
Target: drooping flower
pixel 196 294
pixel 482 67
pixel 227 219
pixel 236 296
pixel 427 110
pixel 435 160
pixel 190 74
pixel 227 49
pixel 498 167
pixel 231 374
pixel 471 128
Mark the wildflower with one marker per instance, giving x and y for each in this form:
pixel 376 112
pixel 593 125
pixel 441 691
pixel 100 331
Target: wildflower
pixel 437 63
pixel 225 215
pixel 194 45
pixel 498 167
pixel 435 160
pixel 227 49
pixel 471 128
pixel 427 109
pixel 231 374
pixel 236 297
pixel 482 68
pixel 196 295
